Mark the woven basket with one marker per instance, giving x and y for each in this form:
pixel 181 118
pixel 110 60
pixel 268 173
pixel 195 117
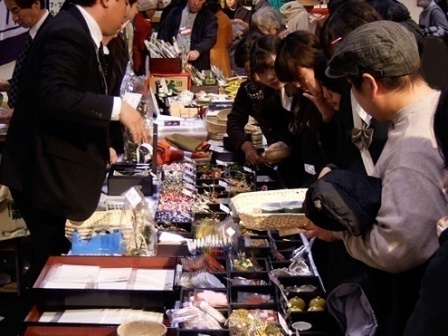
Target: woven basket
pixel 248 206
pixel 277 153
pixel 215 127
pixel 141 328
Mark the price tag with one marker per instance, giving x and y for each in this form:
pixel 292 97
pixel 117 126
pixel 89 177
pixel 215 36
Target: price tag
pixel 189 173
pixel 230 231
pixel 222 163
pixel 223 184
pixel 188 158
pixel 224 208
pixel 133 197
pixel 248 169
pixel 215 148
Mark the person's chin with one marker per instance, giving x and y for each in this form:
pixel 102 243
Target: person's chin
pixel 277 85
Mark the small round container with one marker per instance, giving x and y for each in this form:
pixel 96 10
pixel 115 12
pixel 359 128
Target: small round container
pixel 141 328
pixel 301 326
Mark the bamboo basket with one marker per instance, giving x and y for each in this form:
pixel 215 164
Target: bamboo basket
pixel 214 127
pixel 141 328
pixel 248 208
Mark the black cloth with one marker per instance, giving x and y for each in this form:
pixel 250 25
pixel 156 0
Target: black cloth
pixel 429 316
pixel 14 90
pixel 343 200
pixel 203 33
pixel 56 148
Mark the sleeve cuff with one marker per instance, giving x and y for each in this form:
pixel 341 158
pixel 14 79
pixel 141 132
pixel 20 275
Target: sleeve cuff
pixel 116 109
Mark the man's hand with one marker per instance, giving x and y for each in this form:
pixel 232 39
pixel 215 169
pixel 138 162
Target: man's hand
pixel 6 115
pixel 193 55
pixel 4 85
pixel 113 157
pixel 133 120
pixel 252 155
pixel 315 231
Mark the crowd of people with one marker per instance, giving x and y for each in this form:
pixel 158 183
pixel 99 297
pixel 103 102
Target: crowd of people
pixel 354 90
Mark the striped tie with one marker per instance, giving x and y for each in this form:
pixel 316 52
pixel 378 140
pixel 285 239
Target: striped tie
pixel 15 80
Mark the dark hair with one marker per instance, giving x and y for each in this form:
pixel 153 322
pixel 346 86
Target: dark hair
pixel 29 3
pixel 441 126
pixel 390 10
pixel 261 51
pixel 344 20
pixel 298 49
pixel 243 48
pixel 214 6
pixel 338 85
pixel 333 5
pixel 396 83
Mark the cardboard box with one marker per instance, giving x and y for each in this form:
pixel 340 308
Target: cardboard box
pixel 176 82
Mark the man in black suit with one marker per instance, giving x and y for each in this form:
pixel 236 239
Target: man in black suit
pixel 29 14
pixel 56 149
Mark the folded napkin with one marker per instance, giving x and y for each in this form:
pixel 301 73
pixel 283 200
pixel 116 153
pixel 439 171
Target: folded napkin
pixel 187 143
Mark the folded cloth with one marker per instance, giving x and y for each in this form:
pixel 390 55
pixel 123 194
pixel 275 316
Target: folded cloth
pixel 343 200
pixel 166 154
pixel 187 143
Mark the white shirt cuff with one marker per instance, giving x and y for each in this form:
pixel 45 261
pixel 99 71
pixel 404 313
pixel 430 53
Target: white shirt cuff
pixel 116 109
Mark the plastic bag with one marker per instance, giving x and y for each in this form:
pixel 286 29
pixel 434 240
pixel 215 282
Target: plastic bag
pixel 144 239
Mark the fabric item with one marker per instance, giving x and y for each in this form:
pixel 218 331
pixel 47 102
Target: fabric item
pixel 343 200
pixel 188 143
pixel 219 54
pixel 433 19
pixel 352 310
pixel 144 5
pixel 102 242
pixel 381 48
pixel 60 142
pixel 14 90
pixel 142 32
pixel 407 210
pixel 296 16
pixel 203 34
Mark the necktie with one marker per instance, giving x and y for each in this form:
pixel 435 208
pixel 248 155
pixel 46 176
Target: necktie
pixel 15 80
pixel 102 68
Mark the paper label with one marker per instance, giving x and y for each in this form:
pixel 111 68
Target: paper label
pixel 222 163
pixel 224 208
pixel 132 98
pixel 133 197
pixel 247 169
pixel 223 184
pixel 188 179
pixel 230 231
pixel 310 169
pixel 189 186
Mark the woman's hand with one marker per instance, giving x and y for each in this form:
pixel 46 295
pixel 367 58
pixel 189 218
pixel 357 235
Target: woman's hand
pixel 252 155
pixel 113 157
pixel 316 96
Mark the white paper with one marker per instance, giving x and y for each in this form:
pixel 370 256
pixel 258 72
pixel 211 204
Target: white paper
pixel 147 279
pixel 86 316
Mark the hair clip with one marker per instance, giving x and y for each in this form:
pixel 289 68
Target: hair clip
pixel 336 40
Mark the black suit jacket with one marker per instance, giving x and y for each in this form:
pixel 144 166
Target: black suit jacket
pixel 56 148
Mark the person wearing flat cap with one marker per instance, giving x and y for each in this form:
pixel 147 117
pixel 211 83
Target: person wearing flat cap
pixel 142 32
pixel 381 61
